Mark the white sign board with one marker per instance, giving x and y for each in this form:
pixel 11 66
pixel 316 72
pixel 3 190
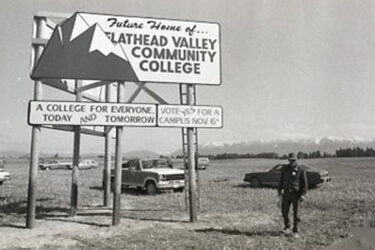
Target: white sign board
pixel 190 116
pixel 115 114
pixel 122 48
pixel 91 114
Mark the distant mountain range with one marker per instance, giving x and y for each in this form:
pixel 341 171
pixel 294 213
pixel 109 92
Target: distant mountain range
pixel 325 144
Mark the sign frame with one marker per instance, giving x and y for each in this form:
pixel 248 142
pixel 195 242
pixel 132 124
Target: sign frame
pixel 219 83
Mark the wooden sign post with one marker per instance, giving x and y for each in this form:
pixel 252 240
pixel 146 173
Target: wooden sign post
pixel 191 162
pixel 76 155
pixel 38 32
pixel 107 155
pixel 118 164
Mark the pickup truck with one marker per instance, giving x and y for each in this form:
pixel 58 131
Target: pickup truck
pixel 153 175
pixel 4 176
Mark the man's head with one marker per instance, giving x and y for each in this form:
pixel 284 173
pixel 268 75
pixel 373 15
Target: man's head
pixel 292 158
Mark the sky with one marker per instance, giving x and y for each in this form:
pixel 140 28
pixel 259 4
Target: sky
pixel 290 70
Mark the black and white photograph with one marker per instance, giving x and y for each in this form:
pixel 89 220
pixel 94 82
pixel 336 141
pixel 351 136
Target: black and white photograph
pixel 202 124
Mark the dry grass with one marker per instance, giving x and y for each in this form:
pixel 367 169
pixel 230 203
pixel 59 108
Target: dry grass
pixel 231 215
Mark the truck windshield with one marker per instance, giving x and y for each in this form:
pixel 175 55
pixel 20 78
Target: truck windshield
pixel 154 164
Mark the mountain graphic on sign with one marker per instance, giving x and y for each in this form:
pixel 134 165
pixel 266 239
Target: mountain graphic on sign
pixel 79 51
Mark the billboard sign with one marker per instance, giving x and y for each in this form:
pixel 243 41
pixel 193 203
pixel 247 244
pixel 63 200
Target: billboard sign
pixel 91 114
pixel 121 48
pixel 190 116
pixel 125 114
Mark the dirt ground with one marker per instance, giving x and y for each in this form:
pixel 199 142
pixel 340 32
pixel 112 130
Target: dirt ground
pixel 59 231
pixel 232 215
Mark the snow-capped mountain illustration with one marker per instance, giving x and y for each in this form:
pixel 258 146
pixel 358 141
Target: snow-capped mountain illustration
pixel 101 43
pixel 99 40
pixel 77 50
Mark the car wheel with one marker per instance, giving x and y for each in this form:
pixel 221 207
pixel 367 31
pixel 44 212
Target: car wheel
pixel 1 183
pixel 255 182
pixel 47 168
pixel 151 188
pixel 178 190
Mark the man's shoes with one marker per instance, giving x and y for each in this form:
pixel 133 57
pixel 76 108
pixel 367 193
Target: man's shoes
pixel 296 235
pixel 287 231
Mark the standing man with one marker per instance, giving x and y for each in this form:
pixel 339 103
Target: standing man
pixel 292 186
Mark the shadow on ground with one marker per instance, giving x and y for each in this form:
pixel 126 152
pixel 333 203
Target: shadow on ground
pixel 131 191
pixel 56 213
pixel 247 185
pixel 272 233
pixel 155 219
pixel 77 222
pixel 19 207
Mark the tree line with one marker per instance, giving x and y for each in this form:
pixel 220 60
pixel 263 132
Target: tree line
pixel 355 152
pixel 342 152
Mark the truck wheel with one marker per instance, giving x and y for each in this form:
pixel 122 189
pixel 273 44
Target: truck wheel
pixel 151 188
pixel 255 182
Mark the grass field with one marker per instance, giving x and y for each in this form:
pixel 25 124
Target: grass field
pixel 231 215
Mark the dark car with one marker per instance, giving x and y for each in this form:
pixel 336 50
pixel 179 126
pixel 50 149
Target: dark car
pixel 271 178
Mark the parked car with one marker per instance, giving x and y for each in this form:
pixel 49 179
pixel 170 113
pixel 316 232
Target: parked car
pixel 153 175
pixel 315 177
pixel 55 164
pixel 203 163
pixel 88 164
pixel 4 176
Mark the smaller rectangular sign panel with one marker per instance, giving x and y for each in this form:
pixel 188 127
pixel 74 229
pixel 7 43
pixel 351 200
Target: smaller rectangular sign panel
pixel 190 116
pixel 91 114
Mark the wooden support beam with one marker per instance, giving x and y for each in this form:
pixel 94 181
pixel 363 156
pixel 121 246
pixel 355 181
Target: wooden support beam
pixel 136 92
pixel 39 41
pixel 108 129
pixel 191 161
pixel 62 85
pixel 92 85
pixel 151 93
pixel 107 155
pixel 76 155
pixel 39 25
pixel 71 129
pixel 118 164
pixel 51 24
pixel 47 14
